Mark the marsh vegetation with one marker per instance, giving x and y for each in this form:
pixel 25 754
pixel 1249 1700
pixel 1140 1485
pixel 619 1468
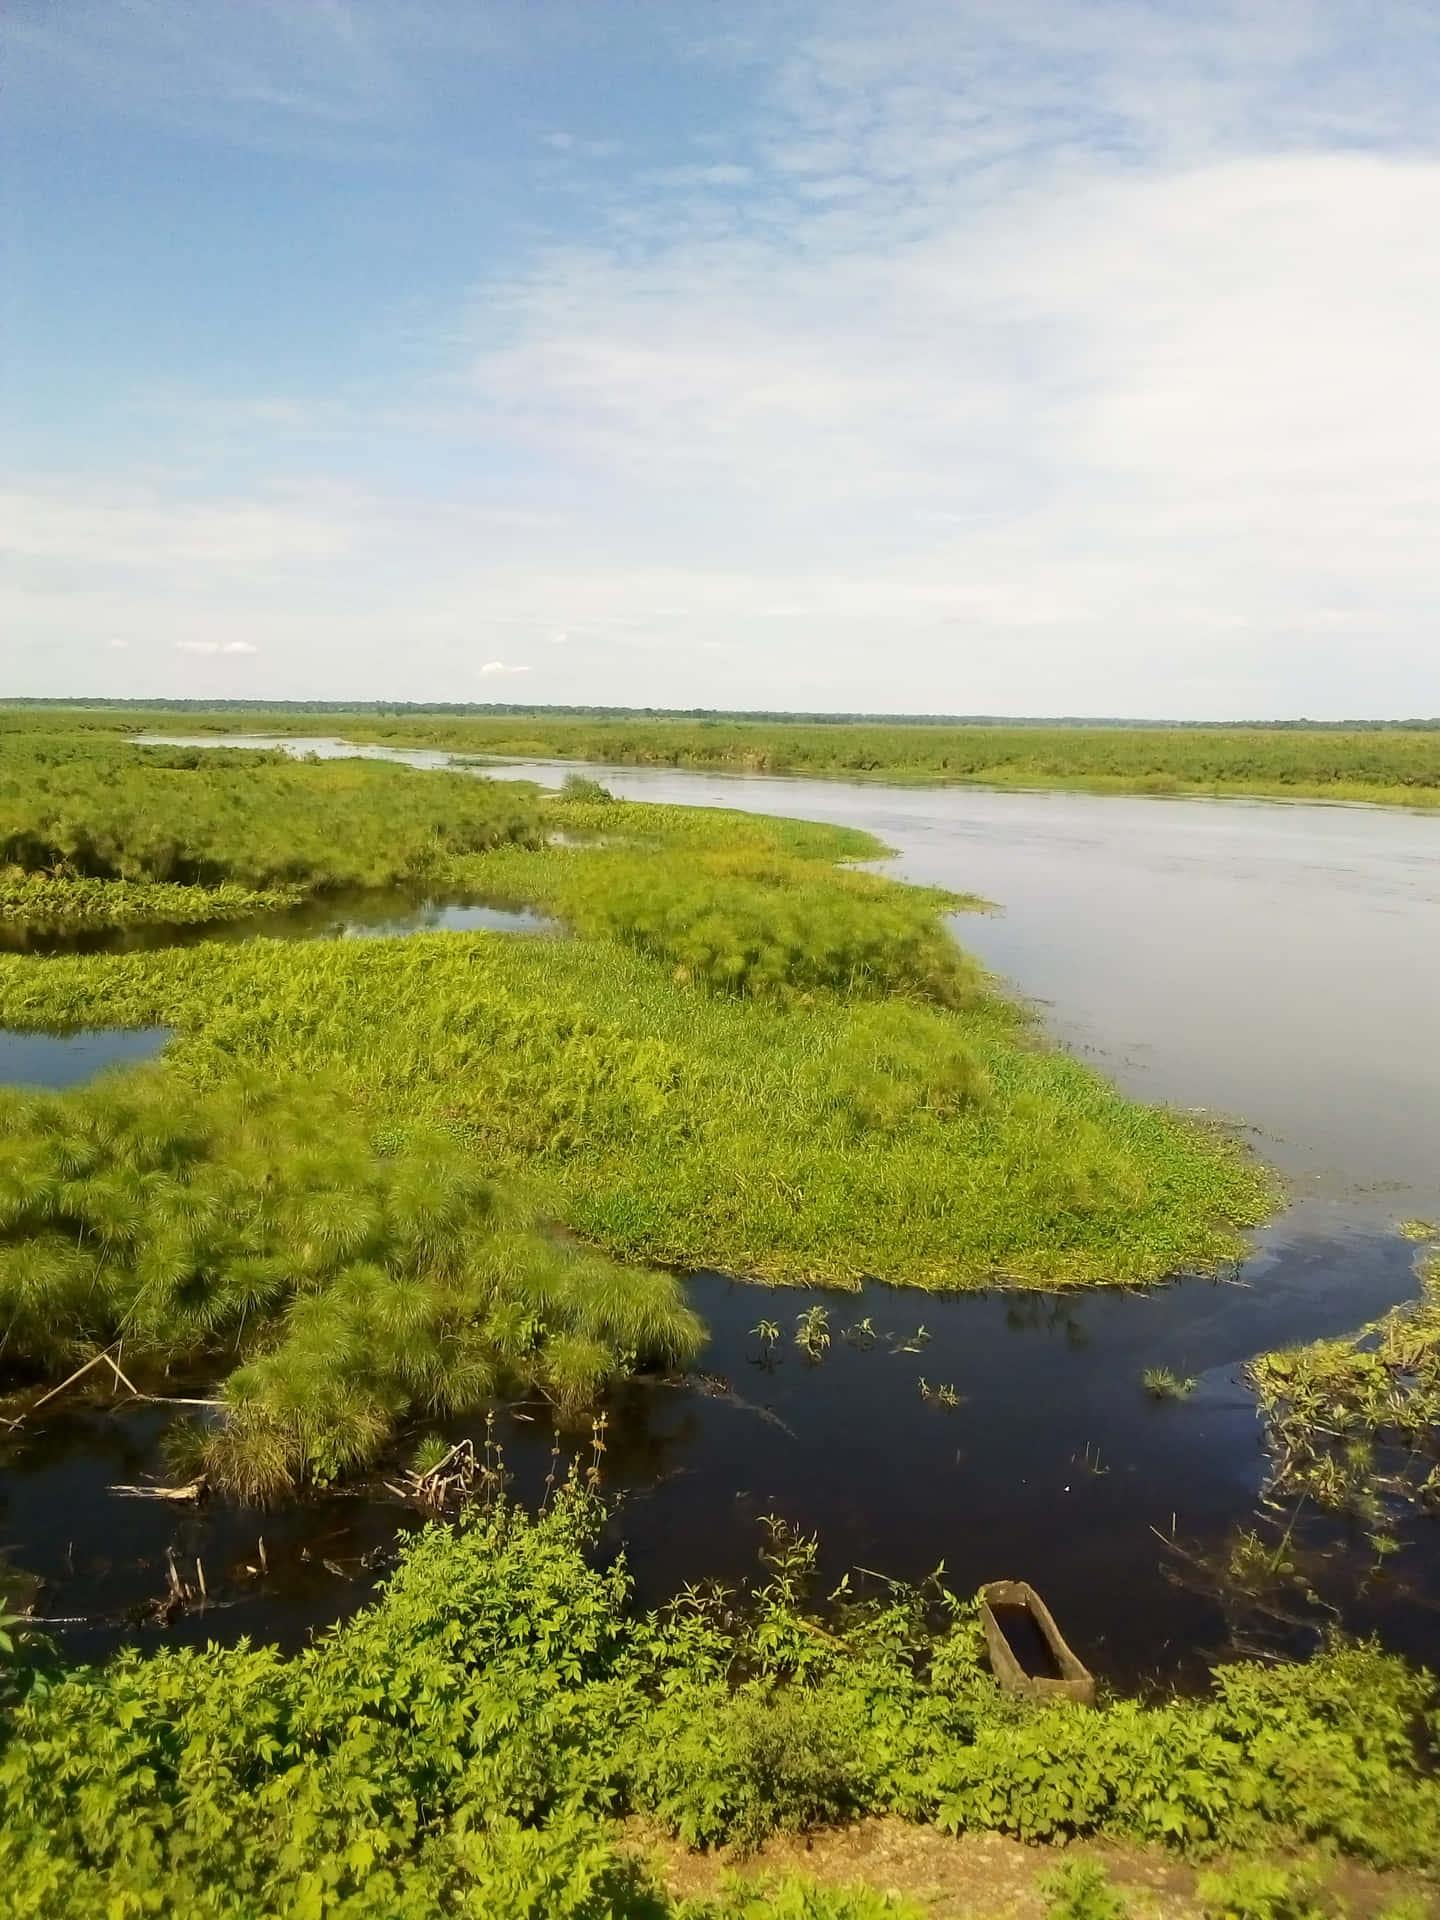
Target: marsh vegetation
pixel 1385 765
pixel 753 1055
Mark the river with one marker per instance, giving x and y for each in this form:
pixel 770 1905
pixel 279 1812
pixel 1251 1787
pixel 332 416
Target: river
pixel 1271 963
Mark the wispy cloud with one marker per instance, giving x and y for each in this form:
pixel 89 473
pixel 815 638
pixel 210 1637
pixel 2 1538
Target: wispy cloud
pixel 215 646
pixel 1009 355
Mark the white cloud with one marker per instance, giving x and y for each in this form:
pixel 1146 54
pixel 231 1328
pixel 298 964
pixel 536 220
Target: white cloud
pixel 1031 358
pixel 119 645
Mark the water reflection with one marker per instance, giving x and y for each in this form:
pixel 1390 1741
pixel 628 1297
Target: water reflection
pixel 379 914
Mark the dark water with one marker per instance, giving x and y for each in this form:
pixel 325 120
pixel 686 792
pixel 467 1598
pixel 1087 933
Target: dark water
pixel 1271 962
pixel 1055 1467
pixel 375 914
pixel 65 1059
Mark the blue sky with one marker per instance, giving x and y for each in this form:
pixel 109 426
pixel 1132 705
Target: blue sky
pixel 1056 356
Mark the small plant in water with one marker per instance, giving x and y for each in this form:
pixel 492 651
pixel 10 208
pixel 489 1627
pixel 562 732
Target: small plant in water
pixel 917 1340
pixel 1161 1384
pixel 767 1332
pixel 943 1395
pixel 812 1331
pixel 862 1334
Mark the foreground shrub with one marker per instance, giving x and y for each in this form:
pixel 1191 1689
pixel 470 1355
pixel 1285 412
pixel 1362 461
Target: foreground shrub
pixel 465 1744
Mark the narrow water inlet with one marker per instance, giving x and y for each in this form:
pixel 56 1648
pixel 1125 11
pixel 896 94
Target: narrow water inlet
pixel 361 914
pixel 59 1060
pixel 1057 1467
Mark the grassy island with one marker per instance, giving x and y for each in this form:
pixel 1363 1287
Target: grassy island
pixel 359 1180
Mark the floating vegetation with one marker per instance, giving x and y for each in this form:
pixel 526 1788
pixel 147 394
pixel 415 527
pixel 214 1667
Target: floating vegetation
pixel 1162 1384
pixel 1355 1423
pixel 943 1396
pixel 812 1332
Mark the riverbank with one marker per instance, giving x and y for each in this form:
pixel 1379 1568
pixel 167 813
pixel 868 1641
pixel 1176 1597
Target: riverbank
pixel 1387 766
pixel 470 1742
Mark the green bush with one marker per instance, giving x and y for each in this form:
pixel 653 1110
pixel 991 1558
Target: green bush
pixel 466 1744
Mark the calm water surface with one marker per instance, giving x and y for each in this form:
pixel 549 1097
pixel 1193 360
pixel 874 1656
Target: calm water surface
pixel 372 914
pixel 1268 962
pixel 67 1059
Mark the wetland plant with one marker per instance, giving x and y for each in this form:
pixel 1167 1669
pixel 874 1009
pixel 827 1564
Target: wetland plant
pixel 1163 1384
pixel 767 1332
pixel 812 1332
pixel 338 1288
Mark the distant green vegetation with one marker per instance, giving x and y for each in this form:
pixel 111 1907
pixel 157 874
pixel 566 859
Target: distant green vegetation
pixel 471 1742
pixel 1391 765
pixel 100 809
pixel 1394 767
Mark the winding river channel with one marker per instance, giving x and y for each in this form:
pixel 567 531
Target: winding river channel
pixel 1271 964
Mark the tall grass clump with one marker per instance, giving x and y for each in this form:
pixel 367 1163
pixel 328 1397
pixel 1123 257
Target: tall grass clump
pixel 768 926
pixel 79 808
pixel 343 1286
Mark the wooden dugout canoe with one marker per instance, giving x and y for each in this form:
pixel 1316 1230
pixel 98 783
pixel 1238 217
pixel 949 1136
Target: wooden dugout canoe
pixel 1069 1678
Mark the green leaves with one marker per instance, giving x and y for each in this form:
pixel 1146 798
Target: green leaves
pixel 466 1743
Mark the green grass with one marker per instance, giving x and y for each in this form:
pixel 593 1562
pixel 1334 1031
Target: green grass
pixel 42 900
pixel 469 1744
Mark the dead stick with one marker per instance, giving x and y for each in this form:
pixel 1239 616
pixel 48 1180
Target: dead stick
pixel 79 1372
pixel 200 1575
pixel 124 1378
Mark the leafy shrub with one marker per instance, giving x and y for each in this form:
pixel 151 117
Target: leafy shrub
pixel 1081 1890
pixel 464 1745
pixel 586 792
pixel 1260 1890
pixel 722 1768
